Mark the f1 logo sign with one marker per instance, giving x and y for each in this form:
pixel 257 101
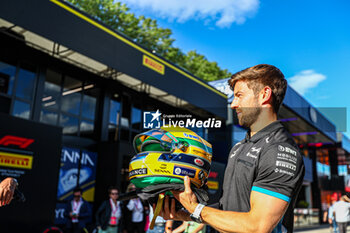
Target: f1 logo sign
pixel 18 141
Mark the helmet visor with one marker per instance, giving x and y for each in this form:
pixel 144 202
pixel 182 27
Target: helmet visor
pixel 153 140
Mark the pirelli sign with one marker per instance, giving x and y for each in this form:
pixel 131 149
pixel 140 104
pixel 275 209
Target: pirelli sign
pixel 153 64
pixel 16 160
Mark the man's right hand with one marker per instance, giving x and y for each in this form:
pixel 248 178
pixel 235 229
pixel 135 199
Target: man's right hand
pixel 7 190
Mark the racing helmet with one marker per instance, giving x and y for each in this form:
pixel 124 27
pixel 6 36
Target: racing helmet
pixel 167 155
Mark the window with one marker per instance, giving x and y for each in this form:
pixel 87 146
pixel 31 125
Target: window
pixel 89 102
pixel 51 98
pixel 48 117
pixel 21 109
pixel 7 78
pixel 86 127
pixel 69 124
pixel 70 103
pixel 125 118
pixel 88 110
pixel 71 96
pixel 52 90
pixel 25 83
pixel 23 91
pixel 114 115
pixel 322 164
pixel 114 112
pixel 136 118
pixel 17 88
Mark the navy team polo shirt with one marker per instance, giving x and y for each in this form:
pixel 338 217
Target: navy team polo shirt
pixel 270 163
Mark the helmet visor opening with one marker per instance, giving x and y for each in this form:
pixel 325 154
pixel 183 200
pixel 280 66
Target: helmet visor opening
pixel 154 140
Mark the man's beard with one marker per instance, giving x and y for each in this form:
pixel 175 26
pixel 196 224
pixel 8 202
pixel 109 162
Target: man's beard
pixel 249 116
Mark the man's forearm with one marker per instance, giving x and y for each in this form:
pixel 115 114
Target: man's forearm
pixel 184 216
pixel 265 212
pixel 229 221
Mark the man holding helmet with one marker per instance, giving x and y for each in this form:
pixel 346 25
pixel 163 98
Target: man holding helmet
pixel 265 170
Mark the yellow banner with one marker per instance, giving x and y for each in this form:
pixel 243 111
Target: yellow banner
pixel 153 64
pixel 16 160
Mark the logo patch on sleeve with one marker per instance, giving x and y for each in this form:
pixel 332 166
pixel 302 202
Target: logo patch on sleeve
pixel 286 165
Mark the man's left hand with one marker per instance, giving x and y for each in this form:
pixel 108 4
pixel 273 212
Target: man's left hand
pixel 187 198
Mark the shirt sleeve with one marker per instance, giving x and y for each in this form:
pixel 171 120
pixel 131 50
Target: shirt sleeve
pixel 280 171
pixel 130 205
pixel 330 212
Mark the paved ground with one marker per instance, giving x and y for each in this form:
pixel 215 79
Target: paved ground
pixel 320 229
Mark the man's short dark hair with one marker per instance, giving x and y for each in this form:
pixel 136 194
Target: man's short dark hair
pixel 112 188
pixel 78 189
pixel 259 76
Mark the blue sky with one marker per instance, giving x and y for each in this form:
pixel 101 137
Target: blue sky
pixel 308 40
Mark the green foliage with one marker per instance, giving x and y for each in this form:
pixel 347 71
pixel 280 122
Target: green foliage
pixel 201 67
pixel 146 32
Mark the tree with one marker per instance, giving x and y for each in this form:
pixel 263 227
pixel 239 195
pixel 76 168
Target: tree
pixel 146 32
pixel 201 67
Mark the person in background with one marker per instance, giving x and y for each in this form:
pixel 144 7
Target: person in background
pixel 169 226
pixel 159 226
pixel 7 190
pixel 341 209
pixel 331 218
pixel 190 227
pixel 108 216
pixel 137 219
pixel 78 212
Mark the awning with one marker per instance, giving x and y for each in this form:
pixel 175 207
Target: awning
pixel 85 38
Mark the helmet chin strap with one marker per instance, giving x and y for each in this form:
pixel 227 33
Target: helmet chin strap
pixel 159 206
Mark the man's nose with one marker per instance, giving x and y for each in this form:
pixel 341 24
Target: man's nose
pixel 234 103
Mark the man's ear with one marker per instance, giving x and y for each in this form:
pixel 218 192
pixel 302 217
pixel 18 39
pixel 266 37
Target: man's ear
pixel 265 96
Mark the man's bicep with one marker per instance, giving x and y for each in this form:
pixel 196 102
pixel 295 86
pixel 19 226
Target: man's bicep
pixel 268 210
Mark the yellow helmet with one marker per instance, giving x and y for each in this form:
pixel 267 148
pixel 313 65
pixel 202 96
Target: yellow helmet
pixel 167 155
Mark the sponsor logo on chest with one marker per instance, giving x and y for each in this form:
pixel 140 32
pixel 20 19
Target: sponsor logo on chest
pixel 254 152
pixel 235 151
